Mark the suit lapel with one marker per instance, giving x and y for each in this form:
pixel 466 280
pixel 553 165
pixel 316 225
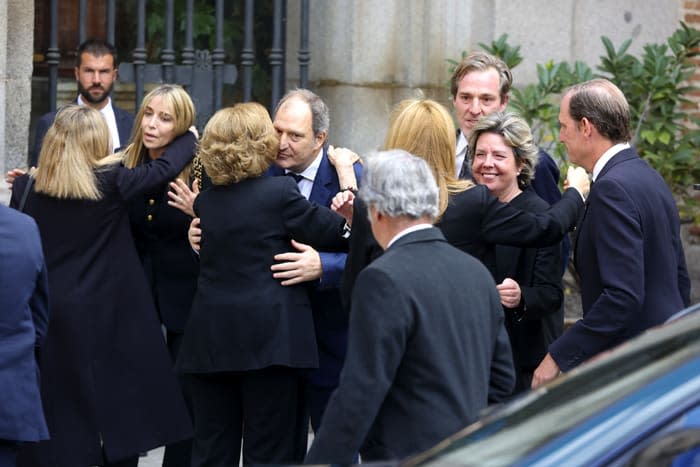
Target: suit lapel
pixel 326 182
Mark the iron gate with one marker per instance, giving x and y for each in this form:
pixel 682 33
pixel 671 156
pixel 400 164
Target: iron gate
pixel 202 72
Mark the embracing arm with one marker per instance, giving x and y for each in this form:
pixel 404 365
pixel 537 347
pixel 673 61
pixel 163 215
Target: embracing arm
pixel 155 173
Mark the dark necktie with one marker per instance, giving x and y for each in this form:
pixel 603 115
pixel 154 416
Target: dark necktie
pixel 465 173
pixel 297 178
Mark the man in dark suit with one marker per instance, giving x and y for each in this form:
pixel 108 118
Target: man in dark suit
pixel 422 349
pixel 24 316
pixel 302 122
pixel 628 250
pixel 95 72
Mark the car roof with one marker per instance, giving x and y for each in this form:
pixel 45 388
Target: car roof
pixel 607 394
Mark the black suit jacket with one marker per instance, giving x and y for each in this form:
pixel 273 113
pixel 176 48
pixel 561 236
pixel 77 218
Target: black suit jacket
pixel 124 119
pixel 629 255
pixel 474 222
pixel 422 351
pixel 242 318
pixel 539 319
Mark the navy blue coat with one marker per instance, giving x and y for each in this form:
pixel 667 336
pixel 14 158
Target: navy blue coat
pixel 330 321
pixel 629 255
pixel 24 315
pixel 125 121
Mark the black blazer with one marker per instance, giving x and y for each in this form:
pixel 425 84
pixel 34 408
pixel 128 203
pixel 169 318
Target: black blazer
pixel 425 353
pixel 160 234
pixel 124 119
pixel 539 319
pixel 242 318
pixel 474 222
pixel 629 255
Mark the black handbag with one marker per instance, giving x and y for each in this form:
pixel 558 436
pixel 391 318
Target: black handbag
pixel 27 189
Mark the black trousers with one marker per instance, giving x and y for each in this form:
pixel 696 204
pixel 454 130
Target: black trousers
pixel 8 453
pixel 178 454
pixel 259 408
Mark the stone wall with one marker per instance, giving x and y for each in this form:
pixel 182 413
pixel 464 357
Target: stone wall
pixel 16 43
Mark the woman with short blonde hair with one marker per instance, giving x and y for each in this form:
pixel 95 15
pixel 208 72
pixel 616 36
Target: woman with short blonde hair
pixel 249 338
pixel 239 142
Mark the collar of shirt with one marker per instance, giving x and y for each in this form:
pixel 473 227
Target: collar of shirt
pixel 461 152
pixel 607 155
pixel 306 184
pixel 404 232
pixel 108 113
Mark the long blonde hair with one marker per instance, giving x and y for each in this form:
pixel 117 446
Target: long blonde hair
pixel 183 111
pixel 424 128
pixel 75 145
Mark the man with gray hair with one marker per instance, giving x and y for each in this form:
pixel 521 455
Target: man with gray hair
pixel 422 348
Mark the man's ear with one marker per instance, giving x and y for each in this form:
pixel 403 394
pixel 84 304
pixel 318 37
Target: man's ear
pixel 321 139
pixel 587 127
pixel 504 102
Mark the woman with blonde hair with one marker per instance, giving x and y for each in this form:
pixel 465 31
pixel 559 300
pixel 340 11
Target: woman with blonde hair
pixel 160 230
pixel 248 337
pixel 107 384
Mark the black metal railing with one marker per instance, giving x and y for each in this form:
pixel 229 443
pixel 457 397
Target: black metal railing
pixel 203 71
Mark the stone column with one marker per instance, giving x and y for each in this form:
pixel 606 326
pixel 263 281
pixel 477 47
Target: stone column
pixel 367 55
pixel 16 50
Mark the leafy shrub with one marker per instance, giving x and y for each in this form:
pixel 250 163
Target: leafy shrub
pixel 657 88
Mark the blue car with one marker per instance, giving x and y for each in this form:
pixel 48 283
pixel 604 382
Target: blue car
pixel 638 405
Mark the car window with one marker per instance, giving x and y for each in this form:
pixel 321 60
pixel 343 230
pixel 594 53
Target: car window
pixel 513 437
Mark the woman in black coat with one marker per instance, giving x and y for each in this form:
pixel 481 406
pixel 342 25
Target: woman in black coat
pixel 471 218
pixel 528 279
pixel 160 231
pixel 107 384
pixel 248 337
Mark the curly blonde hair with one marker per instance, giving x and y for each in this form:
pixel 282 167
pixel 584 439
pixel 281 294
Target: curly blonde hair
pixel 239 142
